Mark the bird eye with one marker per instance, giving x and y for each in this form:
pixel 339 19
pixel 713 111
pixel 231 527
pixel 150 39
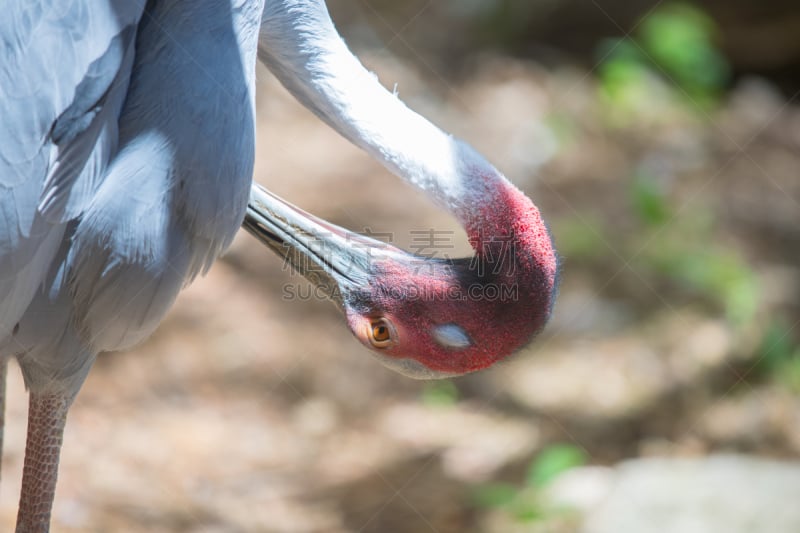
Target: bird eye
pixel 381 333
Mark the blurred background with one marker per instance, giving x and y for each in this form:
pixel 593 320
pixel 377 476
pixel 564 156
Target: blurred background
pixel 661 140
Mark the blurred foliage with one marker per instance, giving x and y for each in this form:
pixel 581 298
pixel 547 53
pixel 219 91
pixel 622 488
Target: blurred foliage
pixel 440 393
pixel 562 127
pixel 554 461
pixel 649 200
pixel 716 272
pixel 581 239
pixel 689 253
pixel 495 495
pixel 525 503
pixel 681 40
pixel 630 91
pixel 779 356
pixel 678 245
pixel 674 47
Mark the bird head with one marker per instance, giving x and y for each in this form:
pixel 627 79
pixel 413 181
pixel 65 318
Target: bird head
pixel 425 317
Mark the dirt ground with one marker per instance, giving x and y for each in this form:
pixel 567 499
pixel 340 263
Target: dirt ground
pixel 249 411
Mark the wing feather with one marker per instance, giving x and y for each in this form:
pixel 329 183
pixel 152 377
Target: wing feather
pixel 86 133
pixel 56 57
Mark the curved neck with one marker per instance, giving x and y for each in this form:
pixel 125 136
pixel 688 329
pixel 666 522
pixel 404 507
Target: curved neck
pixel 300 45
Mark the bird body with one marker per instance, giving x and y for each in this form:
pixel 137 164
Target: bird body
pixel 158 200
pixel 47 53
pixel 115 190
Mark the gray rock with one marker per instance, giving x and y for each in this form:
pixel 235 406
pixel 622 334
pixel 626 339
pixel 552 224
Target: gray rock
pixel 724 493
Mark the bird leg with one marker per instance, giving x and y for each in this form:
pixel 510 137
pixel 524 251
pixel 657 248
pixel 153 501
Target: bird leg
pixel 3 369
pixel 47 416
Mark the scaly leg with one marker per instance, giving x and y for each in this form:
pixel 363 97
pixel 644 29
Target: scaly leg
pixel 47 416
pixel 3 369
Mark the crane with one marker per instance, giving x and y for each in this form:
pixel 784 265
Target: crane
pixel 126 155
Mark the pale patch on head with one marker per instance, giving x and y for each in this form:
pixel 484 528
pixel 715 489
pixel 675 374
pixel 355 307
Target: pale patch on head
pixel 451 336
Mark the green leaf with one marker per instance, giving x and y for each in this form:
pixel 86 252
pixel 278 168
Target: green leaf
pixel 776 347
pixel 528 512
pixel 495 495
pixel 440 393
pixel 554 461
pixel 789 374
pixel 779 355
pixel 649 200
pixel 723 276
pixel 680 39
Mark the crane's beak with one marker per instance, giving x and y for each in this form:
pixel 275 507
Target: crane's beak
pixel 334 259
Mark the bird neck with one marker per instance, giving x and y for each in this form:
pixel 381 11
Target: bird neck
pixel 509 236
pixel 300 45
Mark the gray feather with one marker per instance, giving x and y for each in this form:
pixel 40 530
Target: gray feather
pixel 127 139
pixel 86 133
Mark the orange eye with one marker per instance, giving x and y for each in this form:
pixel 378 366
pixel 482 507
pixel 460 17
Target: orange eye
pixel 381 333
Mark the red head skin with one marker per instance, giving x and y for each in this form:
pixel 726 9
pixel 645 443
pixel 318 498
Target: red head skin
pixel 501 298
